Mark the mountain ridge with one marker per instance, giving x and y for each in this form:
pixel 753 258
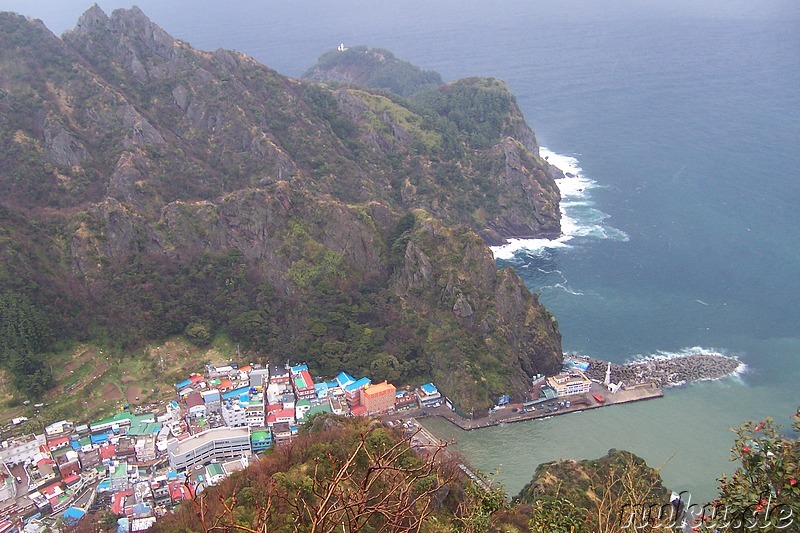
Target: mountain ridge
pixel 169 186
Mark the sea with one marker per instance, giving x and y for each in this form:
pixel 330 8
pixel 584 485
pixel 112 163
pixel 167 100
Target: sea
pixel 679 121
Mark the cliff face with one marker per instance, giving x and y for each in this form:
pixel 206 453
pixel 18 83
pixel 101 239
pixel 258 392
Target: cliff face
pixel 146 184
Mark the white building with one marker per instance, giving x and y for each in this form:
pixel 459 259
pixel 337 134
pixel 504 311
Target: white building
pixel 217 443
pixel 572 382
pixel 24 448
pixel 234 414
pixel 254 413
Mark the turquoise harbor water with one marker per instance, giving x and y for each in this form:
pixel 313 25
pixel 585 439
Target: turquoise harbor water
pixel 683 223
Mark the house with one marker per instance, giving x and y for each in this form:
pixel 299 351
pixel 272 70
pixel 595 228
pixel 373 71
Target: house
pixel 221 370
pixel 212 400
pixel 21 449
pixel 429 395
pixel 344 379
pixel 234 414
pixel 281 433
pixel 378 398
pixel 278 375
pixel 254 412
pixel 261 440
pixel 403 399
pixel 180 491
pixel 258 377
pixel 302 407
pixel 288 400
pixel 196 405
pixel 338 406
pixel 284 416
pixel 214 473
pixel 303 385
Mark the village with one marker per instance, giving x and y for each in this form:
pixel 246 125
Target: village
pixel 145 460
pixel 140 463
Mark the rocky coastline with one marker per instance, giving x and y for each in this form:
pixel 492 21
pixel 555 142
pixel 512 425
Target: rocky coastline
pixel 665 372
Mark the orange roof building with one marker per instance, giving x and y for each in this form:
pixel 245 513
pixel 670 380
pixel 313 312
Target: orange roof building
pixel 378 398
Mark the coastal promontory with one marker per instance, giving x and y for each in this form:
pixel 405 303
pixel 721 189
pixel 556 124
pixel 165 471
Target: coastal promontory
pixel 151 189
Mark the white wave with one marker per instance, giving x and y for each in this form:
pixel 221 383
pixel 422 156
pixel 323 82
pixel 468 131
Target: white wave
pixel 579 218
pixel 565 289
pixel 684 352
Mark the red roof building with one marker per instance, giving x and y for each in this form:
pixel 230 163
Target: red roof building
pixel 58 443
pixel 359 410
pixel 303 385
pixel 108 452
pixel 179 491
pixel 71 479
pixel 118 501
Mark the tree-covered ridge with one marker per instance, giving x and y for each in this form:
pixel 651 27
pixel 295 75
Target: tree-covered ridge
pixel 373 68
pixel 151 189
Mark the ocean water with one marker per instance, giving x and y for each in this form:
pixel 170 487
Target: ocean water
pixel 681 123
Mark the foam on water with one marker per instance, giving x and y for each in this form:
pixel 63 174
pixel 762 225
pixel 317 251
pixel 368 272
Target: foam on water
pixel 579 217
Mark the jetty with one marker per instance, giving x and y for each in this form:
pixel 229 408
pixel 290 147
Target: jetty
pixel 665 371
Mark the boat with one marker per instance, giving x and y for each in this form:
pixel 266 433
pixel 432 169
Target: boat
pixel 598 398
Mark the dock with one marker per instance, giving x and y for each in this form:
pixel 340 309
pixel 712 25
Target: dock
pixel 581 402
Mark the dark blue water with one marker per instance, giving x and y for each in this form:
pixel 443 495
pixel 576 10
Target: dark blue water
pixel 685 121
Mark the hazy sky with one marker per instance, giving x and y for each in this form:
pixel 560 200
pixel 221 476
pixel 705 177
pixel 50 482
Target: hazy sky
pixel 60 15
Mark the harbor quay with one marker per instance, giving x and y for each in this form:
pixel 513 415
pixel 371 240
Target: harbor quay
pixel 511 412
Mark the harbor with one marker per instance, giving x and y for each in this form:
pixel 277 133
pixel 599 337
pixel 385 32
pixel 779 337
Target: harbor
pixel 589 383
pixel 511 412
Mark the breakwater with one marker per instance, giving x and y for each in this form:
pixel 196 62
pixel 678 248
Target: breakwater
pixel 665 371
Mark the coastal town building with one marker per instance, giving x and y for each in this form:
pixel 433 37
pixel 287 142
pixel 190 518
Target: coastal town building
pixel 278 375
pixel 571 382
pixel 195 404
pixel 21 449
pixel 303 385
pixel 216 443
pixel 352 391
pixel 258 377
pixel 429 395
pixel 378 398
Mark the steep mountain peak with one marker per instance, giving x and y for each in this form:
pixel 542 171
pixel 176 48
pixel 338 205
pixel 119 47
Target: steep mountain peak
pixel 128 36
pixel 92 19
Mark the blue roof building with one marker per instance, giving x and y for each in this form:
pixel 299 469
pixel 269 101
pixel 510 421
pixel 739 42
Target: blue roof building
pixel 429 388
pixel 72 515
pixel 299 368
pixel 356 385
pixel 183 384
pixel 344 379
pixel 236 393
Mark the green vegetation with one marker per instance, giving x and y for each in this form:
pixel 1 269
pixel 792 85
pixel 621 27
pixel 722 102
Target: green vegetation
pixel 24 333
pixel 480 109
pixel 374 68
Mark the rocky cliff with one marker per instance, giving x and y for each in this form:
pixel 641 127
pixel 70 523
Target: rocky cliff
pixel 147 186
